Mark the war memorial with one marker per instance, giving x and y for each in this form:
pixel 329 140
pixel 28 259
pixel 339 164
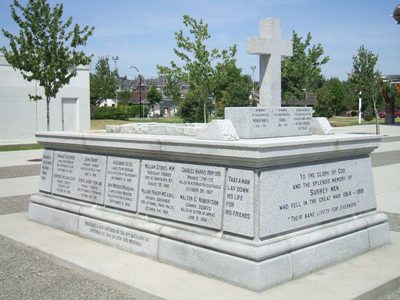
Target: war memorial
pixel 265 196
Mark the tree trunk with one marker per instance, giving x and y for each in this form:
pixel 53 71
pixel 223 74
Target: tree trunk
pixel 48 112
pixel 389 109
pixel 377 129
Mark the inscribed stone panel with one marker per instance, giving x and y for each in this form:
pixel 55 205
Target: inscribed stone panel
pixel 297 197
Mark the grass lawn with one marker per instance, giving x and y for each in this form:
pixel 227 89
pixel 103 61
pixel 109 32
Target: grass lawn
pixel 101 124
pixel 350 121
pixel 157 120
pixel 20 147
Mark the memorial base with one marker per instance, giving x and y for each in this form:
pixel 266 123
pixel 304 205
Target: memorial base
pixel 255 267
pixel 254 213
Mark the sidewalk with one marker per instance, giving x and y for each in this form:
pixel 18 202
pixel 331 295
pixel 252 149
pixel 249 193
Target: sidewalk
pixel 20 158
pixel 388 132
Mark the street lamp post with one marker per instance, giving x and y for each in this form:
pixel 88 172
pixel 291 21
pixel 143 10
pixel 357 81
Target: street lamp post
pixel 115 58
pixel 140 90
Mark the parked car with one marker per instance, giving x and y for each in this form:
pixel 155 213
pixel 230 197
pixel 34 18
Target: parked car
pixel 382 114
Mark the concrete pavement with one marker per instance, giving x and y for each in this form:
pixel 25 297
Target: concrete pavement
pixel 86 267
pixel 387 188
pixel 20 158
pixel 388 132
pixel 147 279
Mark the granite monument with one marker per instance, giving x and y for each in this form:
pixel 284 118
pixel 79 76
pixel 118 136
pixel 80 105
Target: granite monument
pixel 254 200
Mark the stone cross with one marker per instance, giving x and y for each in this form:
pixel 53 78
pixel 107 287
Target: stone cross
pixel 271 48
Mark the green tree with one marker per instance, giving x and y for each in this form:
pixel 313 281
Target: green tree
pixel 124 96
pixel 190 110
pixel 197 69
pixel 365 78
pixel 230 87
pixel 153 96
pixel 330 98
pixel 172 87
pixel 350 102
pixel 46 48
pixel 301 72
pixel 363 73
pixel 104 82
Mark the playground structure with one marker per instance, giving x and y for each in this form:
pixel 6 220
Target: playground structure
pixel 390 90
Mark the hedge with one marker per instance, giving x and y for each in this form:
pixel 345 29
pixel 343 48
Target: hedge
pixel 121 112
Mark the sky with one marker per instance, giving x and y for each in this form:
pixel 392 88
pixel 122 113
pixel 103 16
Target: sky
pixel 141 33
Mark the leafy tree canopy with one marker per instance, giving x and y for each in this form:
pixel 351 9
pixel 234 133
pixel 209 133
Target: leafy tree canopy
pixel 230 87
pixel 301 72
pixel 154 96
pixel 172 86
pixel 363 76
pixel 205 71
pixel 104 82
pixel 124 96
pixel 330 98
pixel 46 48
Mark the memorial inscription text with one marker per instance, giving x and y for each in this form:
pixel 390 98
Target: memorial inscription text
pixel 239 202
pixel 303 196
pixel 260 118
pixel 79 176
pixel 46 171
pixel 183 192
pixel 122 179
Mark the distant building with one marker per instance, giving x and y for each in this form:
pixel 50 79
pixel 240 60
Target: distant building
pixel 20 118
pixel 139 88
pixel 166 108
pixel 107 102
pixel 391 78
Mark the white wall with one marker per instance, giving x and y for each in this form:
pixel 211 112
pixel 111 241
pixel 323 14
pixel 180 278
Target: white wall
pixel 20 118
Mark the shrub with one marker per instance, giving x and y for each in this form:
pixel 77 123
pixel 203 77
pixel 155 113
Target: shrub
pixel 133 111
pixel 107 112
pixel 369 114
pixel 121 112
